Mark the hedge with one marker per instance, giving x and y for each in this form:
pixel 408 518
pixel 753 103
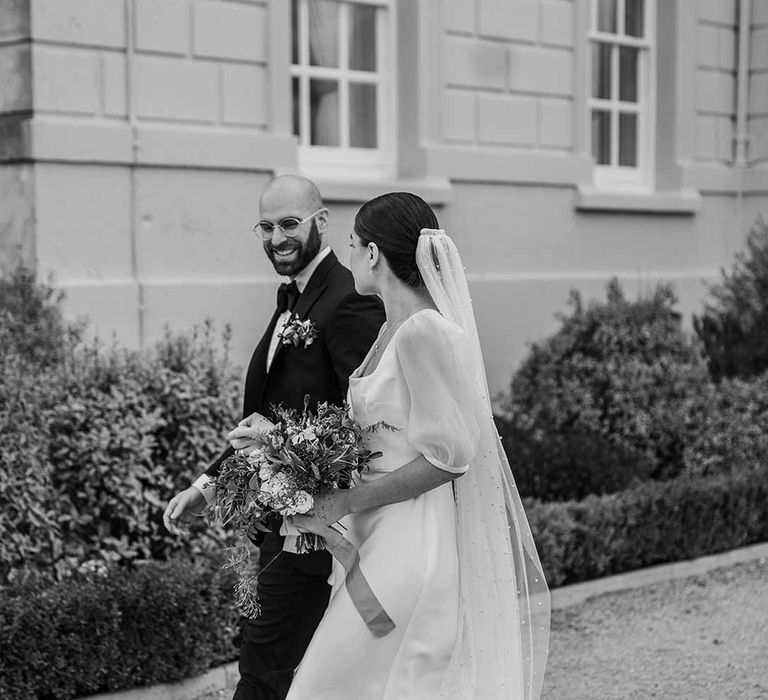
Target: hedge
pixel 604 401
pixel 110 628
pixel 654 523
pixel 569 464
pixel 93 444
pixel 117 627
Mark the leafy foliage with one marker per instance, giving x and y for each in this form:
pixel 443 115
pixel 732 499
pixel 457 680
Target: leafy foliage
pixel 31 324
pixel 654 523
pixel 93 440
pixel 118 626
pixel 731 427
pixel 604 401
pixel 568 465
pixel 734 326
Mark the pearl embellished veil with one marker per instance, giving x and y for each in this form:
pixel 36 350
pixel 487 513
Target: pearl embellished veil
pixel 503 633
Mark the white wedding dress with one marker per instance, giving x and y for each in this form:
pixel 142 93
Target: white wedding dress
pixel 408 550
pixel 456 569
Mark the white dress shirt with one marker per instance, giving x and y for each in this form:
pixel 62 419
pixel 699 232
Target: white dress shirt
pixel 204 483
pixel 301 282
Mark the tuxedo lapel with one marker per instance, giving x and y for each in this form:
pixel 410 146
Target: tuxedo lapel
pixel 307 300
pixel 315 286
pixel 312 292
pixel 260 354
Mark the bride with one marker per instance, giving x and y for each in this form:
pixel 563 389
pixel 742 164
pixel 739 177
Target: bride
pixel 439 528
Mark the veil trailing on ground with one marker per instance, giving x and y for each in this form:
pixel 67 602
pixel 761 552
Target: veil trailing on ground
pixel 503 634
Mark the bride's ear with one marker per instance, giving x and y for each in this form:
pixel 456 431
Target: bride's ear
pixel 373 256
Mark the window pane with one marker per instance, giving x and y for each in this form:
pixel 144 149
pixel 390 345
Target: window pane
pixel 633 18
pixel 601 137
pixel 606 16
pixel 362 37
pixel 628 64
pixel 362 115
pixel 295 32
pixel 324 112
pixel 323 33
pixel 296 89
pixel 601 71
pixel 628 139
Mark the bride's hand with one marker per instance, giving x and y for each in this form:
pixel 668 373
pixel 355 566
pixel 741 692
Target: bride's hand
pixel 250 432
pixel 310 523
pixel 330 506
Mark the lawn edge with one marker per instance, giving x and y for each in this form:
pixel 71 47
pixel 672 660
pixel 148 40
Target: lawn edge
pixel 216 679
pixel 575 593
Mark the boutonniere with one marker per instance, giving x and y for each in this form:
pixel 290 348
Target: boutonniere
pixel 297 332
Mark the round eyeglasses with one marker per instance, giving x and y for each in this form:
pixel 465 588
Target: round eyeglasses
pixel 289 225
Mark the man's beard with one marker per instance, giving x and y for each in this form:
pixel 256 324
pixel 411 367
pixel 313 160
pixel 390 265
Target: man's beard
pixel 307 250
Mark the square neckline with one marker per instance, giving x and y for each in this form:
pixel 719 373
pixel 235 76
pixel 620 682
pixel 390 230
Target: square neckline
pixel 366 361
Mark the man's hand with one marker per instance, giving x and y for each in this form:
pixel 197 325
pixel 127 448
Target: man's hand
pixel 180 510
pixel 258 527
pixel 250 432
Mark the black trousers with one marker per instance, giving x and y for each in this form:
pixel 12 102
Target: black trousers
pixel 293 592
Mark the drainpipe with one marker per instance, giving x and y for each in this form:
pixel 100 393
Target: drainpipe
pixel 742 83
pixel 130 44
pixel 742 104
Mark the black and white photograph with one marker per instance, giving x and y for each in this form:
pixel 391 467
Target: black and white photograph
pixel 383 349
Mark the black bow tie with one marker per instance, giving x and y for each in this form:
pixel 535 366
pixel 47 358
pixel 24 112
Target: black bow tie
pixel 287 293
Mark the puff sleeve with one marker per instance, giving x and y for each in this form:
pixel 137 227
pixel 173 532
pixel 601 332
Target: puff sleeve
pixel 436 364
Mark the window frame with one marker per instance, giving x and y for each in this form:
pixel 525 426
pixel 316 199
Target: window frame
pixel 341 161
pixel 614 177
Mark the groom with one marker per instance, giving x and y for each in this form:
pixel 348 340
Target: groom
pixel 293 590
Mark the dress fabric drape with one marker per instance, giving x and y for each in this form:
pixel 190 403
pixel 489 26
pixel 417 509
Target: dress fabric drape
pixel 408 551
pixel 456 568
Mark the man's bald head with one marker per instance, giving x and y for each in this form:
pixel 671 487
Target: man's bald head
pixel 298 190
pixel 293 197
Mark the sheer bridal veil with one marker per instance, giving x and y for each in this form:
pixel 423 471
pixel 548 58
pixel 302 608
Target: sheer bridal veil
pixel 503 633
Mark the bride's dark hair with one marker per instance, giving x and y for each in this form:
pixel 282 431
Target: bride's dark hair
pixel 393 221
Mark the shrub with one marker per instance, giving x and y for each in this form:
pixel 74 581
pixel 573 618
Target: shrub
pixel 29 526
pixel 731 427
pixel 613 384
pixel 31 323
pixel 656 522
pixel 118 627
pixel 198 392
pixel 569 464
pixel 734 326
pixel 93 441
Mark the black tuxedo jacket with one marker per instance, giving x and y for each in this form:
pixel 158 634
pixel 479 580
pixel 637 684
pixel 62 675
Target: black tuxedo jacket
pixel 347 324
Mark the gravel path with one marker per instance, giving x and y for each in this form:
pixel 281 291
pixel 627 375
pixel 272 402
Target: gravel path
pixel 699 638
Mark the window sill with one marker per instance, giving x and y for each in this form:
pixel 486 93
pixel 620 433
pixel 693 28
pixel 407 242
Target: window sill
pixel 684 202
pixel 436 191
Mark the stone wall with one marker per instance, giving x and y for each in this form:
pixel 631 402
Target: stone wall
pixel 508 73
pixel 136 135
pixel 758 88
pixel 716 80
